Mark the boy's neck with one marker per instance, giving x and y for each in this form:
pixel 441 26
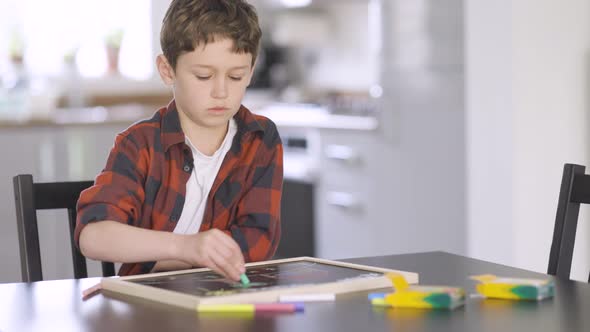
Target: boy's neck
pixel 206 140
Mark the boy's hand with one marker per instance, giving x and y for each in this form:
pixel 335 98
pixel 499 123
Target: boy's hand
pixel 215 250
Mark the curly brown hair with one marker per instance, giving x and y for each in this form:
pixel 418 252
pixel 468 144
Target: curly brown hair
pixel 190 23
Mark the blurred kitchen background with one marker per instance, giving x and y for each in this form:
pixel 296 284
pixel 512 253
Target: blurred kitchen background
pixel 408 125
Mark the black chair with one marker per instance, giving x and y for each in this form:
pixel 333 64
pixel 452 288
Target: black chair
pixel 30 197
pixel 575 189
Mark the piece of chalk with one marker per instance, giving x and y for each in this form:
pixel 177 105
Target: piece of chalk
pixel 245 308
pixel 89 292
pixel 244 279
pixel 320 297
pixel 372 296
pixel 380 303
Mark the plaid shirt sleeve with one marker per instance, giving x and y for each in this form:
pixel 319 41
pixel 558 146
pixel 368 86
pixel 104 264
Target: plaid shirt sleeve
pixel 257 227
pixel 118 192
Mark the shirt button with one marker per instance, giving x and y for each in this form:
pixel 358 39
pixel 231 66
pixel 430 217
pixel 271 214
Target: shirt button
pixel 186 168
pixel 173 217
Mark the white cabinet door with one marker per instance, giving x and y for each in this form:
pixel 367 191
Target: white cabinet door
pixel 345 188
pixel 49 153
pixel 23 150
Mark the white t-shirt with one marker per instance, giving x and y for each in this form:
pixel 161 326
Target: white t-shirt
pixel 199 184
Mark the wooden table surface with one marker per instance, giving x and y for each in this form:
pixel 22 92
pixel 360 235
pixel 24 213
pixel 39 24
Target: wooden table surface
pixel 57 306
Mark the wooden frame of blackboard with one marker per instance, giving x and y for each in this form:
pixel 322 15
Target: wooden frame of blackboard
pixel 130 286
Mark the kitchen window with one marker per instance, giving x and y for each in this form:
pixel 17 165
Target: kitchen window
pixel 48 36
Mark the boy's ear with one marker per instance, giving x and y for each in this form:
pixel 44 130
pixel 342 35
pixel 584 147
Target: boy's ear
pixel 166 71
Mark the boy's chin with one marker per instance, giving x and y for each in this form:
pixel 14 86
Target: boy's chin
pixel 215 122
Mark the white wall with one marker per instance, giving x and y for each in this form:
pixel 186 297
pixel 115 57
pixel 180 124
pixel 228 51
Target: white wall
pixel 423 120
pixel 526 94
pixel 488 116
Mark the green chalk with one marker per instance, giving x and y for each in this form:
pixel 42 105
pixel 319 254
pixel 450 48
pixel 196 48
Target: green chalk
pixel 245 280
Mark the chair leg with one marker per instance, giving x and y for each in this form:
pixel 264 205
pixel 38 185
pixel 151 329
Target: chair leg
pixel 28 233
pixel 80 269
pixel 108 269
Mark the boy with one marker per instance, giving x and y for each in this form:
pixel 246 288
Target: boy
pixel 199 184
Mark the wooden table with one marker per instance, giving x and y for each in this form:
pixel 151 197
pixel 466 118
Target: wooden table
pixel 57 306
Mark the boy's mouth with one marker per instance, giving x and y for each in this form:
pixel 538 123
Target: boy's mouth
pixel 218 109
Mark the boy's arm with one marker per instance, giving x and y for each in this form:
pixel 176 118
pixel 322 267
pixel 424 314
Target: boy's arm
pixel 128 244
pixel 117 194
pixel 170 265
pixel 106 228
pixel 101 238
pixel 106 240
pixel 115 242
pixel 257 229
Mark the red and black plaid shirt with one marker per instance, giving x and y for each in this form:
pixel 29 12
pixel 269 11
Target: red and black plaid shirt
pixel 144 184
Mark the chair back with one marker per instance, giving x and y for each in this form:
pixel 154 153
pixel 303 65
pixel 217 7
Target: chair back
pixel 30 197
pixel 575 190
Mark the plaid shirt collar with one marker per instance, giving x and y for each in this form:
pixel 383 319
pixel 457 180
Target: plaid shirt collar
pixel 172 131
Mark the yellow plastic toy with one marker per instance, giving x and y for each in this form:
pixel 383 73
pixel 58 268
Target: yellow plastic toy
pixel 492 286
pixel 415 296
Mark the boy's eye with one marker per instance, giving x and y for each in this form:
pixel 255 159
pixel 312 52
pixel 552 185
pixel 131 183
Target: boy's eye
pixel 202 78
pixel 235 78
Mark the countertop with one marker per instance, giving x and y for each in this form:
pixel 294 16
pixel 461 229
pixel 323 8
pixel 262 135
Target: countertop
pixel 314 116
pixel 283 114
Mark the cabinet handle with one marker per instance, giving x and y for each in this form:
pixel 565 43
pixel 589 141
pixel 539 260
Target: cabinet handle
pixel 342 153
pixel 344 200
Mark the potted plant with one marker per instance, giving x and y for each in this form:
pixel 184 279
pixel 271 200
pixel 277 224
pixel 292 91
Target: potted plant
pixel 113 45
pixel 16 48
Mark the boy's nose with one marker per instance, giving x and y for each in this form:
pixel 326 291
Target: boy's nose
pixel 219 89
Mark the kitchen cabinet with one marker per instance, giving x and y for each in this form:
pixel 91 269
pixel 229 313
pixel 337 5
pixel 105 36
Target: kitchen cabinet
pixel 50 153
pixel 348 193
pixel 340 157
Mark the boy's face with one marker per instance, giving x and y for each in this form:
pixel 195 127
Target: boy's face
pixel 208 83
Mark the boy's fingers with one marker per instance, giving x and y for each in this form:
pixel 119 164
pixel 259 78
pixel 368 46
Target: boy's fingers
pixel 232 245
pixel 231 250
pixel 213 266
pixel 229 270
pixel 237 260
pixel 224 251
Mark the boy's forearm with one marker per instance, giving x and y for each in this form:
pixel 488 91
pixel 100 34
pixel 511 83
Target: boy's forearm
pixel 115 242
pixel 170 265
